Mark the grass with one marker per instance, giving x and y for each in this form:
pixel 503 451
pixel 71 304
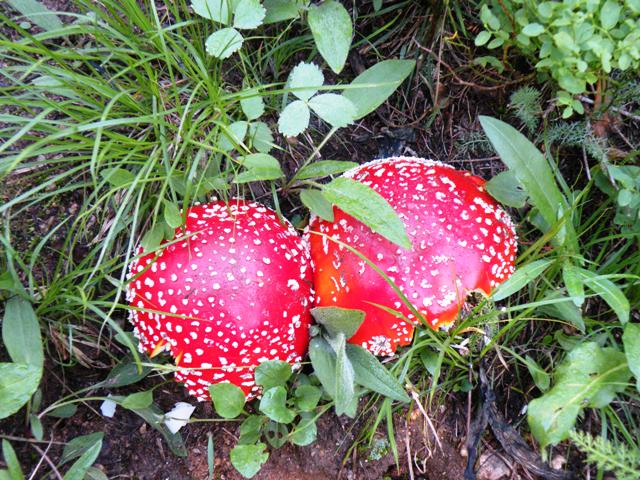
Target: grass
pixel 122 111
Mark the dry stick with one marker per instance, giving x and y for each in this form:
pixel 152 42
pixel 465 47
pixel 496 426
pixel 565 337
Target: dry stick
pixel 48 460
pixel 407 442
pixel 624 113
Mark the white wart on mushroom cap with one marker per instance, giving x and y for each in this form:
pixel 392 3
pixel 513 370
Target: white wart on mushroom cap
pixel 232 291
pixel 462 241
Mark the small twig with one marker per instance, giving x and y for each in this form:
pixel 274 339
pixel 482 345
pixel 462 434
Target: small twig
pixel 407 442
pixel 624 113
pixel 44 455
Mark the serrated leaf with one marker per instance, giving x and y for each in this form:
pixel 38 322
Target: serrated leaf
pixel 252 104
pixel 79 445
pixel 138 400
pixel 573 282
pixel 304 80
pixel 228 399
pixel 279 10
pixel 589 376
pixel 274 405
pixel 371 374
pixel 260 166
pixel 272 373
pixel 609 292
pixel 376 84
pixel 334 109
pixel 11 460
pixel 294 119
pixel 21 333
pixel 324 168
pixel 521 278
pixel 316 203
pixel 331 27
pixel 224 42
pixel 248 459
pixel 248 14
pixel 37 13
pixel 233 135
pixel 338 320
pixel 506 189
pixel 172 215
pixel 366 205
pixel 216 10
pixel 79 469
pixel 260 137
pixel 631 341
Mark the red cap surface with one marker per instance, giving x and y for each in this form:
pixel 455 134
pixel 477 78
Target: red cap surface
pixel 462 241
pixel 233 291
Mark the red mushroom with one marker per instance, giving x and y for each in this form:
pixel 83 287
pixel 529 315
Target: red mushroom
pixel 232 291
pixel 462 242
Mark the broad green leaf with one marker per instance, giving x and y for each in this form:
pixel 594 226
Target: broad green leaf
pixel 255 174
pixel 250 429
pixel 338 320
pixel 80 445
pixel 530 168
pixel 307 397
pixel 304 80
pixel 17 383
pixel 589 376
pixel 65 411
pixel 152 239
pixel 79 469
pixel 324 168
pixel 366 205
pixel 172 215
pixel 332 30
pixel 574 283
pixel 533 29
pixel 252 104
pixel 631 341
pixel 272 373
pixel 609 292
pixel 506 189
pixel 118 177
pixel 371 374
pixel 540 377
pixel 323 360
pixel 11 460
pixel 21 333
pixel 314 200
pixel 305 431
pixel 248 459
pixel 233 135
pixel 228 399
pixel 521 278
pixel 482 38
pixel 609 14
pixel 334 109
pixel 260 160
pixel 37 13
pixel 373 86
pixel 344 379
pixel 248 14
pixel 294 119
pixel 138 400
pixel 216 10
pixel 279 10
pixel 274 405
pixel 276 433
pixel 260 137
pixel 223 43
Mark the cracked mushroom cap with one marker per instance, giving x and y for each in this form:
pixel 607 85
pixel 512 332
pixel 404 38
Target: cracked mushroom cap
pixel 462 242
pixel 230 292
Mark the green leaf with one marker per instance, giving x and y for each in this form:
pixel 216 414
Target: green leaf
pixel 117 177
pixel 79 469
pixel 506 189
pixel 276 433
pixel 21 333
pixel 172 215
pixel 589 376
pixel 228 399
pixel 574 283
pixel 155 417
pixel 338 320
pixel 216 10
pixel 250 429
pixel 294 119
pixel 540 377
pixel 562 308
pixel 252 104
pixel 334 109
pixel 323 360
pixel 260 160
pixel 366 205
pixel 153 237
pixel 345 396
pixel 260 166
pixel 279 10
pixel 609 292
pixel 17 383
pixel 324 168
pixel 123 374
pixel 521 278
pixel 11 460
pixel 37 13
pixel 248 459
pixel 272 373
pixel 138 400
pixel 533 30
pixel 224 42
pixel 609 14
pixel 65 411
pixel 274 405
pixel 631 341
pixel 260 137
pixel 307 397
pixel 248 14
pixel 304 80
pixel 305 431
pixel 371 374
pixel 332 30
pixel 94 473
pixel 376 84
pixel 482 38
pixel 36 427
pixel 314 200
pixel 233 135
pixel 531 169
pixel 80 445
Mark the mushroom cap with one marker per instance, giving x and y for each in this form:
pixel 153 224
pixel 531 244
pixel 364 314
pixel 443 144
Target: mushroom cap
pixel 462 241
pixel 231 291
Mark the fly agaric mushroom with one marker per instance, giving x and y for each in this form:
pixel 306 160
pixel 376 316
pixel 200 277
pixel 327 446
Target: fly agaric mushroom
pixel 462 241
pixel 230 292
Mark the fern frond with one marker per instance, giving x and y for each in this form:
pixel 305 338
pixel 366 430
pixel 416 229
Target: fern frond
pixel 525 103
pixel 621 459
